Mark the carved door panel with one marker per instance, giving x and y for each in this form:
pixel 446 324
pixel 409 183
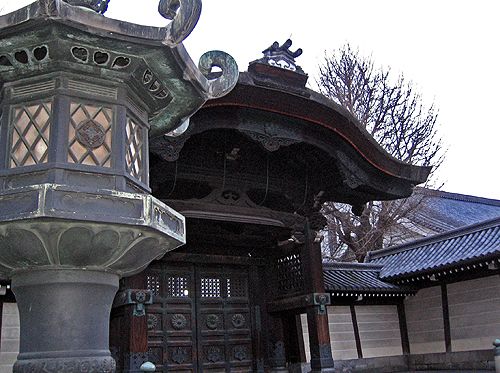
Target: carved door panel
pixel 171 319
pixel 224 320
pixel 200 320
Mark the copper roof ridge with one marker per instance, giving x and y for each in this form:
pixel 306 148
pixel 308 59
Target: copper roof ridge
pixel 352 266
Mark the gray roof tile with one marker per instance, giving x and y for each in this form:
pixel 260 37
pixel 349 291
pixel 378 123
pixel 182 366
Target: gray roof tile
pixel 358 278
pixel 460 246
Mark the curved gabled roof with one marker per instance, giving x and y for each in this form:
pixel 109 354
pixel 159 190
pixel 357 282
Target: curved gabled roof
pixel 322 119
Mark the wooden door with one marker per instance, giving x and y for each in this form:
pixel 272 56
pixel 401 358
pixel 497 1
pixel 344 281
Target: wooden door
pixel 224 320
pixel 200 321
pixel 172 319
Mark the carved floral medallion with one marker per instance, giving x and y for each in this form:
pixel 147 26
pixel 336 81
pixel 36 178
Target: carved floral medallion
pixel 212 321
pixel 178 321
pixel 90 134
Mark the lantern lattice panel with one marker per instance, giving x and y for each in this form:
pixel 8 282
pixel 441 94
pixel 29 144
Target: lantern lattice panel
pixel 30 133
pixel 134 155
pixel 90 134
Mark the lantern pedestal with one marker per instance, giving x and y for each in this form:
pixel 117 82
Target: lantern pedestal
pixel 64 320
pixel 80 95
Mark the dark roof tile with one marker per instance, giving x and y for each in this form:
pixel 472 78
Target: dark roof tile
pixel 358 278
pixel 456 247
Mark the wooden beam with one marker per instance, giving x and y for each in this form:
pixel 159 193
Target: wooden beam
pixel 403 328
pixel 212 259
pixel 356 331
pixel 446 317
pixel 298 302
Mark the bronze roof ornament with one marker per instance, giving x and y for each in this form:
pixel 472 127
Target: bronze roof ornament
pixel 184 16
pixel 99 6
pixel 151 55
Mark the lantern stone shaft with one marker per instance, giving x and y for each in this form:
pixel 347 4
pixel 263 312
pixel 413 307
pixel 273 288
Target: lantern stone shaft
pixel 80 96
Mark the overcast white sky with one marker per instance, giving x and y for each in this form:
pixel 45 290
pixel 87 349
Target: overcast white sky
pixel 449 48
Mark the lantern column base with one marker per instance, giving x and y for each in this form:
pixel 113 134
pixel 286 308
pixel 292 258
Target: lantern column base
pixel 64 320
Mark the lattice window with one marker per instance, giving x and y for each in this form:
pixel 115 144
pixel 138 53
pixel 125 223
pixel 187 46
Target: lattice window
pixel 210 287
pixel 90 133
pixel 153 284
pixel 30 134
pixel 134 155
pixel 177 286
pixel 236 287
pixel 289 274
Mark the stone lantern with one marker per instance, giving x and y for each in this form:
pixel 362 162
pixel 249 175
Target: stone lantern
pixel 80 96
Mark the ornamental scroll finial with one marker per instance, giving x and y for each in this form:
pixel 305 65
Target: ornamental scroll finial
pixel 184 15
pixel 219 83
pixel 99 6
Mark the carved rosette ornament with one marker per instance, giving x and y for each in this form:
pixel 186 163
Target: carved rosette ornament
pixel 90 134
pixel 212 321
pixel 238 320
pixel 153 321
pixel 178 321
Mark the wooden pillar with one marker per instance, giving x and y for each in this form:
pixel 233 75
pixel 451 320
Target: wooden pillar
pixel 132 299
pixel 257 289
pixel 300 334
pixel 319 340
pixel 446 317
pixel 293 338
pixel 317 315
pixel 277 346
pixel 403 328
pixel 355 328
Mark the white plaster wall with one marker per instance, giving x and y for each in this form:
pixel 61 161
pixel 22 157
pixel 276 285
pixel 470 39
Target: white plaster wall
pixel 341 333
pixel 379 330
pixel 424 317
pixel 474 313
pixel 10 337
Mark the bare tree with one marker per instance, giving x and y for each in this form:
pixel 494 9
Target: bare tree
pixel 394 114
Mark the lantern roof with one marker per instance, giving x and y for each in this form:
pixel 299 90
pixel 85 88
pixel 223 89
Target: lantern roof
pixel 151 60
